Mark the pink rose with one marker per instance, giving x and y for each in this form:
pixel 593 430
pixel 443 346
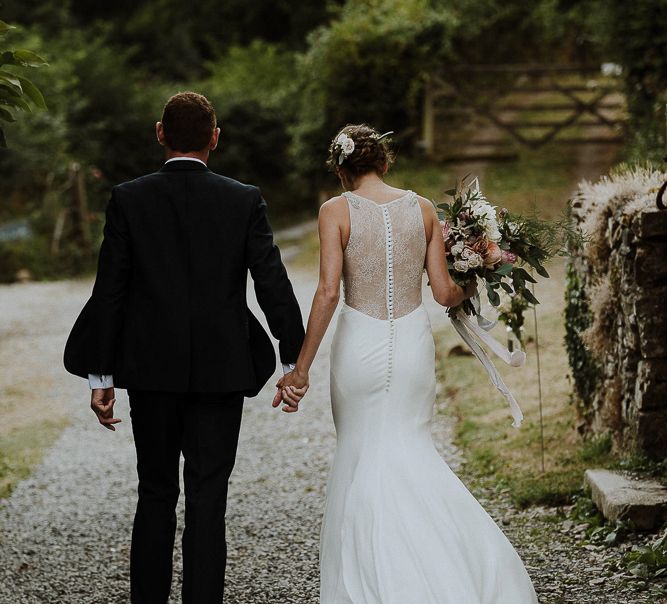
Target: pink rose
pixel 493 254
pixel 488 250
pixel 508 257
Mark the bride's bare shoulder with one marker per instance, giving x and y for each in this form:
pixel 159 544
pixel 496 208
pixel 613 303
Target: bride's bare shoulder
pixel 334 208
pixel 427 207
pixel 429 215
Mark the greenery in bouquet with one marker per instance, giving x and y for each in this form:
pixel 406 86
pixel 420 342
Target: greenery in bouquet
pixel 496 247
pixel 511 312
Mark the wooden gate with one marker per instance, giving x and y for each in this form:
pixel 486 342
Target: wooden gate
pixel 474 112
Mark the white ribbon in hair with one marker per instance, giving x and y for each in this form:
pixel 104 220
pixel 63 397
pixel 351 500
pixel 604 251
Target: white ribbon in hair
pixel 466 328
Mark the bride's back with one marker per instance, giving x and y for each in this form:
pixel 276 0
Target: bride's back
pixel 384 257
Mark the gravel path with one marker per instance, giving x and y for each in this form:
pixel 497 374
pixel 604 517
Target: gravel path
pixel 65 531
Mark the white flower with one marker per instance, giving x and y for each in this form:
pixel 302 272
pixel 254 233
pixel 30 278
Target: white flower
pixel 460 266
pixel 475 261
pixel 467 253
pixel 346 145
pixel 492 232
pixel 457 248
pixel 481 208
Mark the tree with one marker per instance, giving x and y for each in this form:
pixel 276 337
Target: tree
pixel 17 92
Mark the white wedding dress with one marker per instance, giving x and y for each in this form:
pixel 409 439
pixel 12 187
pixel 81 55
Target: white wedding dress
pixel 399 526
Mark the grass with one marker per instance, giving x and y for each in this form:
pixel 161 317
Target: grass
pixel 22 448
pixel 543 179
pixel 510 458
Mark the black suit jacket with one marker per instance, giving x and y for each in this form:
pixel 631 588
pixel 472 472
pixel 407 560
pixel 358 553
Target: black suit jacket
pixel 168 310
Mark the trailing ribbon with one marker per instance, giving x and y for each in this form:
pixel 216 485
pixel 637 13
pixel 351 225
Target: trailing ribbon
pixel 466 328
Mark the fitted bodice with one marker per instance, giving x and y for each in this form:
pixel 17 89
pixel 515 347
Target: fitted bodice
pixel 384 258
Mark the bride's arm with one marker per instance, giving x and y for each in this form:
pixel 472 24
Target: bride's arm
pixel 333 215
pixel 445 291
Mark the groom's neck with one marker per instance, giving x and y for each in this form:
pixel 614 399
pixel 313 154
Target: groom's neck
pixel 200 155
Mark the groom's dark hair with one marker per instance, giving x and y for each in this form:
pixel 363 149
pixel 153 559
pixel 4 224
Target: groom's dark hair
pixel 188 120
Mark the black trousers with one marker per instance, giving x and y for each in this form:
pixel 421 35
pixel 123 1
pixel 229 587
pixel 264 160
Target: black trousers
pixel 205 428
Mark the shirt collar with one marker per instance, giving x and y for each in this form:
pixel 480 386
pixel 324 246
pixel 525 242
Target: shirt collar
pixel 185 159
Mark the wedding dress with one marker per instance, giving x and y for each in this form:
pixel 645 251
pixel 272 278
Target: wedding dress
pixel 399 526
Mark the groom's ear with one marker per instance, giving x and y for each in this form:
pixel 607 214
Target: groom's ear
pixel 215 139
pixel 159 132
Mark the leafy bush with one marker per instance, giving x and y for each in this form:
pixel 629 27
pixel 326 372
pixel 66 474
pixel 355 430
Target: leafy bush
pixel 101 118
pixel 586 370
pixel 101 114
pixel 253 89
pixel 366 66
pixel 635 36
pixel 17 91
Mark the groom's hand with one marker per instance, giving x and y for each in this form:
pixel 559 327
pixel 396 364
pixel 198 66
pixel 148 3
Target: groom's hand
pixel 101 402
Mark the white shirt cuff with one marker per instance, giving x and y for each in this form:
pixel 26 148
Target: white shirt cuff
pixel 97 382
pixel 287 367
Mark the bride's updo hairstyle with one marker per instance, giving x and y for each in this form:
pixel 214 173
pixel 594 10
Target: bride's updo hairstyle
pixel 368 152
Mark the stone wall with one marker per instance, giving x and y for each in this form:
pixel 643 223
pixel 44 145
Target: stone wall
pixel 617 311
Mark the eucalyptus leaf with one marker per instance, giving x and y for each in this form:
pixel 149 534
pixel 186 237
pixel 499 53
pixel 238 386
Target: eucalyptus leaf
pixel 504 269
pixel 523 274
pixel 542 271
pixel 450 192
pixel 507 287
pixel 493 296
pixel 528 295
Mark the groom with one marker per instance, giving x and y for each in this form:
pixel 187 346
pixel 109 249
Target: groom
pixel 168 321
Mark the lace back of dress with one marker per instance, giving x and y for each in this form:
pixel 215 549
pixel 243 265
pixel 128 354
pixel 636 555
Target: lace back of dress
pixel 384 258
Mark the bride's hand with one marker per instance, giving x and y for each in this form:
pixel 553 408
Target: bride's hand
pixel 292 387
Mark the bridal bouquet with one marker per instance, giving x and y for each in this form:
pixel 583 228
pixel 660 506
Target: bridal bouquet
pixel 493 246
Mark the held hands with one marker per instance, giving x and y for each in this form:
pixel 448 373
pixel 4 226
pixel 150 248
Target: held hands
pixel 101 402
pixel 292 387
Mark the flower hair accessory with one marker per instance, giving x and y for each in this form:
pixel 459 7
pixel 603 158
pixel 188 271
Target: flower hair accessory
pixel 343 147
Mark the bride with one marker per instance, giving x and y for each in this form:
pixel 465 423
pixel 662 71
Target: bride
pixel 399 526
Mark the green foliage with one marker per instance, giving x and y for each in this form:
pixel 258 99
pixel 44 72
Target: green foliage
pixel 491 31
pixel 640 463
pixel 578 317
pixel 101 116
pixel 254 92
pixel 596 447
pixel 634 35
pixel 598 530
pixel 512 315
pixel 529 238
pixel 648 561
pixel 367 65
pixel 17 92
pixel 176 39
